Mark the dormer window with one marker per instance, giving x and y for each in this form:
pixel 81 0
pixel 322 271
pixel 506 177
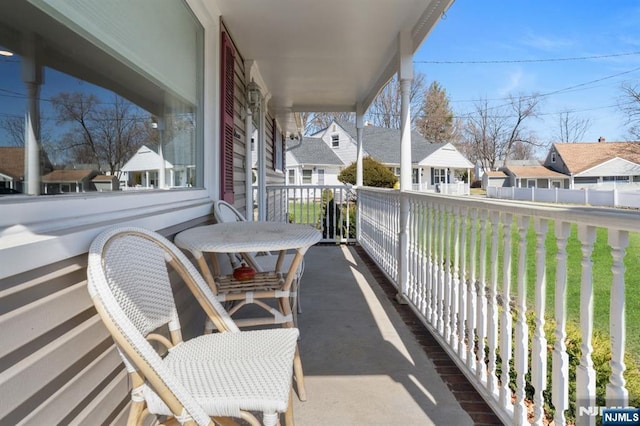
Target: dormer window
pixel 553 156
pixel 335 141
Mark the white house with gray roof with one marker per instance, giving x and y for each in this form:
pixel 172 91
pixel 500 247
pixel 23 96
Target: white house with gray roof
pixel 436 166
pixel 312 162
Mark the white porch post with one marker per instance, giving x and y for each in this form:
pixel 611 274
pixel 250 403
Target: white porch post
pixel 248 163
pixel 32 77
pixel 262 159
pixel 359 128
pixel 359 171
pixel 162 171
pixel 405 76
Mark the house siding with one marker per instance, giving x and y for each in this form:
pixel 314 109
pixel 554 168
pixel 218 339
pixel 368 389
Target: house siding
pixel 58 363
pixel 348 149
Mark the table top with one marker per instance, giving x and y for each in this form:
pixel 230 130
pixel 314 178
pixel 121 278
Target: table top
pixel 243 237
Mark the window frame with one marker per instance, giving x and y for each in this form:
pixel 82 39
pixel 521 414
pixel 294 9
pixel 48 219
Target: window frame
pixel 58 228
pixel 309 177
pixel 335 141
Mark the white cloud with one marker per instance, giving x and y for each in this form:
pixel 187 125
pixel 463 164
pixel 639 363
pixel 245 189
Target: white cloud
pixel 512 83
pixel 548 43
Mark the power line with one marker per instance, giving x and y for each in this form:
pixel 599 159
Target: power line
pixel 521 61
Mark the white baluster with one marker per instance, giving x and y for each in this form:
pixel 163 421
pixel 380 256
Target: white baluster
pixel 617 394
pixel 429 260
pixel 505 320
pixel 471 293
pixel 585 373
pixel 481 370
pixel 539 344
pixel 441 269
pixel 560 366
pixel 492 306
pixel 462 284
pixel 448 282
pixel 455 281
pixel 435 276
pixel 521 350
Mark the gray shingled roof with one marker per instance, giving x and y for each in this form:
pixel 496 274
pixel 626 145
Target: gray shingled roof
pixel 384 144
pixel 313 151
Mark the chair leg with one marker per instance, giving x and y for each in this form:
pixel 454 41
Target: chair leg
pixel 288 415
pixel 299 375
pixel 136 413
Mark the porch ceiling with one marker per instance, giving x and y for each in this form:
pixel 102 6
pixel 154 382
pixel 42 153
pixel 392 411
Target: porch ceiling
pixel 330 55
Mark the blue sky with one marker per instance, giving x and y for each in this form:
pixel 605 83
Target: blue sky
pixel 525 30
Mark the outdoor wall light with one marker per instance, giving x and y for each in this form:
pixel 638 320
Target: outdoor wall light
pixel 5 52
pixel 254 97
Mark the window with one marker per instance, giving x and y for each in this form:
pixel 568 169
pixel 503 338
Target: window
pixel 292 176
pixel 335 141
pixel 438 176
pixel 553 156
pixel 320 176
pixel 307 176
pixel 100 97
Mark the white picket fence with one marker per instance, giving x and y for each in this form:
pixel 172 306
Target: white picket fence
pixel 587 196
pixel 445 262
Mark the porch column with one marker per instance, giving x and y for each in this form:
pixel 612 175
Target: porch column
pixel 248 164
pixel 359 128
pixel 162 171
pixel 405 76
pixel 32 77
pixel 359 171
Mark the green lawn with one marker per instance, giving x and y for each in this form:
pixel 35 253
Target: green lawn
pixel 602 277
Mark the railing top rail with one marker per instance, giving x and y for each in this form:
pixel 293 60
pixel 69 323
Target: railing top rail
pixel 594 216
pixel 310 186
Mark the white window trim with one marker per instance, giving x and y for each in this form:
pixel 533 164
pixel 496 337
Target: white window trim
pixel 55 228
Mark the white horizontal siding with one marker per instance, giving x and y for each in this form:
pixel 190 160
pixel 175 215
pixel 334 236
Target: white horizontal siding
pixel 447 156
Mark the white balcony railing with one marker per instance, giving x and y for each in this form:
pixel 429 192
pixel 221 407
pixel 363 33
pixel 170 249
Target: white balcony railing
pixel 330 208
pixel 477 274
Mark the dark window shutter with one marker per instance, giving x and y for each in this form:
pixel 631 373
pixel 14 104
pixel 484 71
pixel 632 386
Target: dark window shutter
pixel 227 64
pixel 274 143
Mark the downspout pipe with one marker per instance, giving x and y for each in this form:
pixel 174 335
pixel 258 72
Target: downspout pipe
pixel 248 168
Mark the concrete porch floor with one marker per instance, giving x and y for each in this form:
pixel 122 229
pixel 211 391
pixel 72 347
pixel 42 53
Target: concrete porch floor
pixel 366 360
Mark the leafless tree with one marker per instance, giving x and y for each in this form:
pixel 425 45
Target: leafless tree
pixel 14 128
pixel 315 121
pixel 493 135
pixel 385 111
pixel 630 105
pixel 571 128
pixel 101 133
pixel 435 121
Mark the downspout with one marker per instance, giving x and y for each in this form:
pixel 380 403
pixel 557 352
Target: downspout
pixel 262 159
pixel 405 76
pixel 248 164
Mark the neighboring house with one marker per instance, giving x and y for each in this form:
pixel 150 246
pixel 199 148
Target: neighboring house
pixel 104 183
pixel 12 167
pixel 535 177
pixel 144 168
pixel 433 164
pixel 588 164
pixel 67 181
pixel 312 162
pixel 495 178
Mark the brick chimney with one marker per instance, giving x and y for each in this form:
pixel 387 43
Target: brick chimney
pixel 601 139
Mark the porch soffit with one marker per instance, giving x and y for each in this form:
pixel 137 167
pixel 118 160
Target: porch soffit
pixel 330 55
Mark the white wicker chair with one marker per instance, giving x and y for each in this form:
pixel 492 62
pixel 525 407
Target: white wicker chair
pixel 205 380
pixel 225 212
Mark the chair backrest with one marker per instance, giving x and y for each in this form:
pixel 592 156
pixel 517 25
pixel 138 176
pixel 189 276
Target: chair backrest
pixel 128 280
pixel 225 212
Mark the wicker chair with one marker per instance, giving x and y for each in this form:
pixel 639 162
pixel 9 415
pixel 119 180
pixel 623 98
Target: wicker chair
pixel 225 212
pixel 205 380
